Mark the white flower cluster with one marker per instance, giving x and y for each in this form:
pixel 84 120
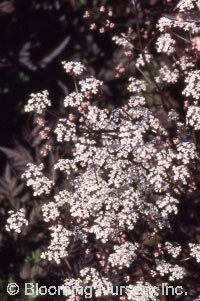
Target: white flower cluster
pixel 184 63
pixel 73 99
pixel 195 251
pixel 167 205
pixel 140 60
pixel 38 102
pixel 75 68
pixel 165 44
pixel 90 85
pixel 105 227
pixel 184 5
pixel 76 288
pixel 123 41
pixel 122 167
pixel 173 249
pixel 181 173
pixel 186 152
pixel 58 245
pixel 16 220
pixel 124 254
pixel 96 118
pixel 50 211
pixel 136 85
pixel 62 197
pixel 175 271
pixel 89 277
pixel 142 292
pixel 168 76
pixel 35 178
pixel 193 84
pixel 136 101
pixel 164 23
pixel 66 165
pixel 65 130
pixel 167 22
pixel 93 276
pixel 89 185
pixel 193 117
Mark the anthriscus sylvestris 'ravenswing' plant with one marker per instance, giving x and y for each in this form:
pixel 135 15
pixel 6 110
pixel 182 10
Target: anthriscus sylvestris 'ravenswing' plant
pixel 124 174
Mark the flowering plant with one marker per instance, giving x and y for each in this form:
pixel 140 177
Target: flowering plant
pixel 122 174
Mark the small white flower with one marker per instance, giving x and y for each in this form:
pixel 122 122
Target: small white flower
pixel 165 44
pixel 16 220
pixel 140 61
pixel 35 178
pixel 38 102
pixel 50 211
pixel 123 41
pixel 184 5
pixel 142 292
pixel 193 84
pixel 65 130
pixel 124 254
pixel 168 76
pixel 90 85
pixel 175 272
pixel 195 251
pixel 75 68
pixel 173 249
pixel 136 85
pixel 60 239
pixel 73 100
